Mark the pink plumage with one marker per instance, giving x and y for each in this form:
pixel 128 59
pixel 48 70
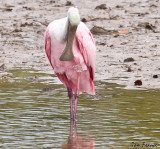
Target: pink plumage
pixel 84 59
pixel 82 67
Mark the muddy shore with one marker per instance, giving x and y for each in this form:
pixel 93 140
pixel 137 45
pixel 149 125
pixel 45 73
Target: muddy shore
pixel 127 35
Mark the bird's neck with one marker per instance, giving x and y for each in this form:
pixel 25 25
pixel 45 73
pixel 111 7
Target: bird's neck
pixel 60 30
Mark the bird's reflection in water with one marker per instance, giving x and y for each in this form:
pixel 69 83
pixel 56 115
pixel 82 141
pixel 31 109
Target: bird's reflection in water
pixel 76 141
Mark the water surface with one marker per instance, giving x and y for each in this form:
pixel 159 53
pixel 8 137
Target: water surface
pixel 34 110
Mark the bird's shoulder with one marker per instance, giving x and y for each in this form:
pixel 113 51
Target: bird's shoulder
pixel 83 27
pixel 57 24
pixel 57 29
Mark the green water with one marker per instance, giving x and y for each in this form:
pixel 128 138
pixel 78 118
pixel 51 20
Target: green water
pixel 34 114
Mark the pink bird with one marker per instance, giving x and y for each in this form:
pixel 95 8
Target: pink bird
pixel 71 50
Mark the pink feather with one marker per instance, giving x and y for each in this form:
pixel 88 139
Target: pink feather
pixel 84 59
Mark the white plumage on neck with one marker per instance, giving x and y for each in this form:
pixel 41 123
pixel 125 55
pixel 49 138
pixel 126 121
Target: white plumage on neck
pixel 59 27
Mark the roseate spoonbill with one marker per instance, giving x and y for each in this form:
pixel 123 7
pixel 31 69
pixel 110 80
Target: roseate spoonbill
pixel 71 49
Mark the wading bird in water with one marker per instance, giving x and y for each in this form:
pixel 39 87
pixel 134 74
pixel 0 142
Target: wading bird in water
pixel 71 49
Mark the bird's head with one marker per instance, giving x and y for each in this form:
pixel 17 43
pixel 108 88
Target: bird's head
pixel 73 16
pixel 73 22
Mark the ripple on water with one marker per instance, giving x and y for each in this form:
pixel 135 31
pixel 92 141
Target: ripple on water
pixel 32 118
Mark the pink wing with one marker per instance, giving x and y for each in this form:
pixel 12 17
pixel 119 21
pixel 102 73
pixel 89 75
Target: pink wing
pixel 87 48
pixel 48 45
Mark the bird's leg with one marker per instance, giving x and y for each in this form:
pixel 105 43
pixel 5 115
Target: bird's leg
pixel 70 95
pixel 76 96
pixel 75 104
pixel 73 130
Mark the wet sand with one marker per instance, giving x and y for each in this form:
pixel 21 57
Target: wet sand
pixel 127 36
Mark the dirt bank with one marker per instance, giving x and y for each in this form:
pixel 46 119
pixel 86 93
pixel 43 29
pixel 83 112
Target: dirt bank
pixel 122 29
